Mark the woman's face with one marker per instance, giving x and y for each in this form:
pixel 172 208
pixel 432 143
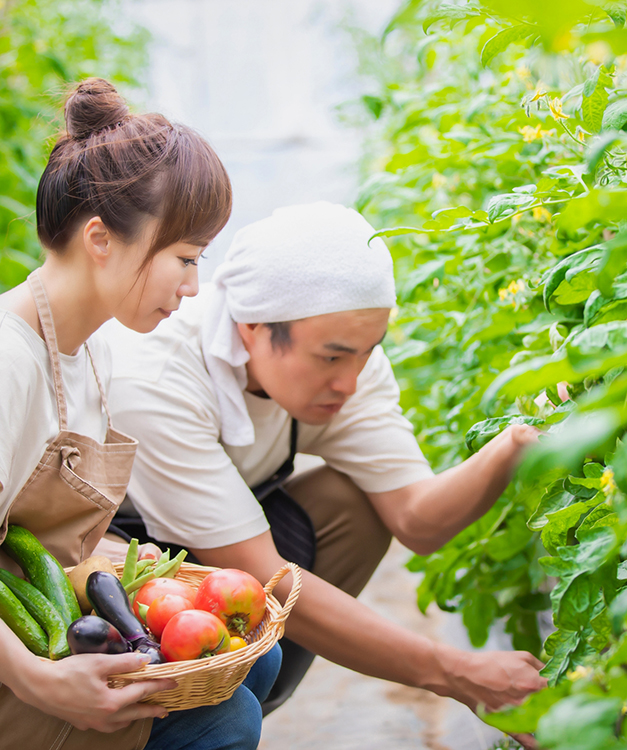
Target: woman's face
pixel 141 299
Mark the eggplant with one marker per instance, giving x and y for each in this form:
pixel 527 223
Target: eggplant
pixel 148 646
pixel 93 635
pixel 109 600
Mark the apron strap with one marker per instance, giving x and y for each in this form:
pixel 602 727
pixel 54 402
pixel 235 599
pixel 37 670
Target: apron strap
pixel 103 396
pixel 263 489
pixel 50 337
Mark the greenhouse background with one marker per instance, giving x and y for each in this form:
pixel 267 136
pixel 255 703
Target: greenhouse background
pixel 486 142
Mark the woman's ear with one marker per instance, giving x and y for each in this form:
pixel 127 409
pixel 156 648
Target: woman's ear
pixel 97 240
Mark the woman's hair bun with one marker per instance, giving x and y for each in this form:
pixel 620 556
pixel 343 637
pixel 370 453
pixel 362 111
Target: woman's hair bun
pixel 92 106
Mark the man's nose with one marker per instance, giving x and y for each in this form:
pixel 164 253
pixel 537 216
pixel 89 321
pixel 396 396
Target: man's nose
pixel 346 383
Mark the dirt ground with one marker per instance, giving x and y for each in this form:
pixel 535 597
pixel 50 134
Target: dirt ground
pixel 338 709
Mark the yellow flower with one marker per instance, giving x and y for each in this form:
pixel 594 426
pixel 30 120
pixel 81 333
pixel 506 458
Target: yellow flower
pixel 513 287
pixel 523 72
pixel 503 294
pixel 540 92
pixel 579 672
pixel 608 485
pixel 580 134
pixel 530 134
pixel 541 214
pixel 438 180
pixel 555 105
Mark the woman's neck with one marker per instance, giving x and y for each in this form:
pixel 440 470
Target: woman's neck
pixel 74 304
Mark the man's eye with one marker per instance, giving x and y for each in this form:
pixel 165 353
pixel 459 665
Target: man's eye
pixel 189 262
pixel 330 359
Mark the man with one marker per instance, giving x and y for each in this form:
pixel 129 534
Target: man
pixel 280 354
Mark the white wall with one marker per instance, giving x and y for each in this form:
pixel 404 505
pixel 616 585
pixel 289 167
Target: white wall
pixel 261 80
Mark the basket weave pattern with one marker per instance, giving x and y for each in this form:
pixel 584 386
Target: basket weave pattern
pixel 206 682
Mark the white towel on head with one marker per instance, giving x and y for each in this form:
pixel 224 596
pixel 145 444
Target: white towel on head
pixel 300 262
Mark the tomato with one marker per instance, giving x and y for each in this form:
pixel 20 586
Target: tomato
pixel 162 610
pixel 160 587
pixel 194 634
pixel 237 643
pixel 234 596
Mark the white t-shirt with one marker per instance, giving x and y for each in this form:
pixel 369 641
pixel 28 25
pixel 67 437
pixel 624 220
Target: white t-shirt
pixel 192 489
pixel 28 407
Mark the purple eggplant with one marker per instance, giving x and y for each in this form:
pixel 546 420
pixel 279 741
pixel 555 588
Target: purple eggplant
pixel 93 635
pixel 109 600
pixel 148 646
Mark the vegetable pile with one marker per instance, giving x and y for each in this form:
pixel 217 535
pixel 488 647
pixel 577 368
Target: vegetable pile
pixel 147 610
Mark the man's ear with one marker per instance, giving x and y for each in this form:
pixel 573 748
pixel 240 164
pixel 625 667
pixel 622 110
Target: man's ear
pixel 248 332
pixel 97 240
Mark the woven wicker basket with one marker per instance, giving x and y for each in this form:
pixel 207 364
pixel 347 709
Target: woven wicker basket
pixel 205 682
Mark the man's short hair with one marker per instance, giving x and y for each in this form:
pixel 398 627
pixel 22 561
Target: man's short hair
pixel 280 335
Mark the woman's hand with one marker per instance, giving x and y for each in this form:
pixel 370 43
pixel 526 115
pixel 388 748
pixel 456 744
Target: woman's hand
pixel 149 550
pixel 76 690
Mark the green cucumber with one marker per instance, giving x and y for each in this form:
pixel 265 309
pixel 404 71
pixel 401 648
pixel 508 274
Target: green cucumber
pixel 14 614
pixel 43 570
pixel 42 610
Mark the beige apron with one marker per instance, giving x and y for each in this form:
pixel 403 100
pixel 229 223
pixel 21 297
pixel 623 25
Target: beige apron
pixel 67 503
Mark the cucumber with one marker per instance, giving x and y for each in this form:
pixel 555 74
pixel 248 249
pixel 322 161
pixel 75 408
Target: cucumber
pixel 14 614
pixel 42 610
pixel 43 571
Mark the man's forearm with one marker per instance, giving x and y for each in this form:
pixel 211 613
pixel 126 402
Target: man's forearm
pixel 425 515
pixel 338 627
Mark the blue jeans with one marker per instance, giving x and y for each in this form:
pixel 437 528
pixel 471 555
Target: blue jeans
pixel 231 725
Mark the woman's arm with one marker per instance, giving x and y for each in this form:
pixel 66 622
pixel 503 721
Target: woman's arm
pixel 75 689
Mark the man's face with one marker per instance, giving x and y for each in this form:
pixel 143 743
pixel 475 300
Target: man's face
pixel 312 378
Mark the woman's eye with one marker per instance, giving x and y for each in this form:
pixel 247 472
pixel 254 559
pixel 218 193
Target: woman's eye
pixel 189 262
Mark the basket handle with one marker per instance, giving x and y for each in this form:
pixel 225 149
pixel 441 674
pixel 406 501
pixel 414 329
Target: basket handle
pixel 297 582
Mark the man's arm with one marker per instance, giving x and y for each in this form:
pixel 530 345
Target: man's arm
pixel 426 514
pixel 336 626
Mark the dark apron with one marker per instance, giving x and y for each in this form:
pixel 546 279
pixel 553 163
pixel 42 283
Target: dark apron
pixel 292 530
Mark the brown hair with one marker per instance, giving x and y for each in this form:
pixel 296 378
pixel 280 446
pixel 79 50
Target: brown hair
pixel 125 168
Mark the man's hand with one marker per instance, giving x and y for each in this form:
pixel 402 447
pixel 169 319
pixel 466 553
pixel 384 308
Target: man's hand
pixel 492 679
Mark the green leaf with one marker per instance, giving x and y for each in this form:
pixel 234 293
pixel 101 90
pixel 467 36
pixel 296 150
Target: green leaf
pixel 502 40
pixel 482 432
pixel 595 98
pixel 579 722
pixel 502 206
pixel 607 206
pixel 615 116
pixel 597 147
pixel 523 719
pixel 478 614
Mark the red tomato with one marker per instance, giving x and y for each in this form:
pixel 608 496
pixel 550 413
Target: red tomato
pixel 194 634
pixel 163 609
pixel 160 587
pixel 234 596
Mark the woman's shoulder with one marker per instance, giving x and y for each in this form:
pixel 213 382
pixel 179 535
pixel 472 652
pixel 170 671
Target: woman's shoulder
pixel 19 343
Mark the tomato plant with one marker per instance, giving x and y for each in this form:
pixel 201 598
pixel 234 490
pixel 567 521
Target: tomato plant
pixel 234 596
pixel 496 164
pixel 194 634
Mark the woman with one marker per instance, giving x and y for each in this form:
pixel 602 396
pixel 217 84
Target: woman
pixel 124 208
